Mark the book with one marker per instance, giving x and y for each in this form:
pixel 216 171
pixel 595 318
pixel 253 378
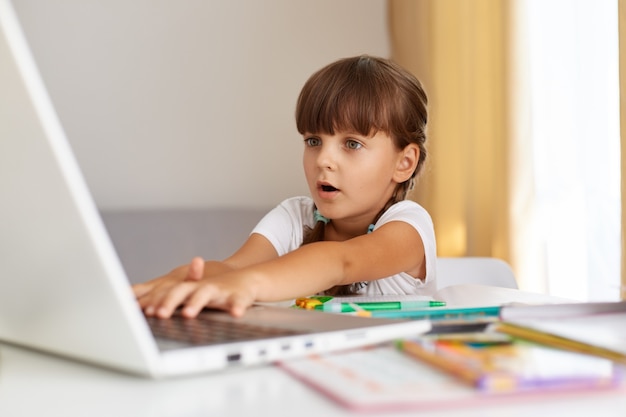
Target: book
pixel 465 304
pixel 516 311
pixel 493 362
pixel 594 328
pixel 476 295
pixel 383 378
pixel 462 296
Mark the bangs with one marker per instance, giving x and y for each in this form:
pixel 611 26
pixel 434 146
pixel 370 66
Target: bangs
pixel 350 96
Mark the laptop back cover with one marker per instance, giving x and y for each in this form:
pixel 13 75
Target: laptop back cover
pixel 55 256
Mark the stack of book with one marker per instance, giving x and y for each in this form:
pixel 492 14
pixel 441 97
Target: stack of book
pixel 527 350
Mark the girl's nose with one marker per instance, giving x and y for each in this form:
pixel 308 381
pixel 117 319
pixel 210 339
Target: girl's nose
pixel 326 158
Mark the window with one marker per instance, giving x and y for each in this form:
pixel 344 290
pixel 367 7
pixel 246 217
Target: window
pixel 571 53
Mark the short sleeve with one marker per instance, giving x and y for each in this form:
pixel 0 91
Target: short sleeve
pixel 412 213
pixel 283 226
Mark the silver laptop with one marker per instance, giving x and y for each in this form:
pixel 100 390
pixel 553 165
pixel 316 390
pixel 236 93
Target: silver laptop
pixel 62 287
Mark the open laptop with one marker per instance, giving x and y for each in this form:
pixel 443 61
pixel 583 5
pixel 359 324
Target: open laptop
pixel 62 287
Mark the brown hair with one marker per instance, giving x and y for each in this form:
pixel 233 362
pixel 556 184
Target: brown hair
pixel 364 94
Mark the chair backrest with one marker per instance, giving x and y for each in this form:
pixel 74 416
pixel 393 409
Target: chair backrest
pixel 474 270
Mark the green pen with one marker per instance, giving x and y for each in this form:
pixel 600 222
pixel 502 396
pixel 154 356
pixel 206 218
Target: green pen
pixel 378 306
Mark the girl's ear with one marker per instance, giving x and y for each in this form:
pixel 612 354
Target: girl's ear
pixel 407 162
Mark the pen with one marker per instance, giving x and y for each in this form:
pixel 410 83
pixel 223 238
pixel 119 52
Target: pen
pixel 377 306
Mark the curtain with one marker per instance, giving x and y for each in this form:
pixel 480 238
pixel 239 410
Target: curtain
pixel 478 195
pixel 458 50
pixel 622 76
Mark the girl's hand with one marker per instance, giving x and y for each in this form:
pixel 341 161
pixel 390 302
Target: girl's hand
pixel 150 293
pixel 192 286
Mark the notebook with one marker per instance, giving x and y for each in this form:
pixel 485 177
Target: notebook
pixel 63 289
pixel 597 329
pixel 382 378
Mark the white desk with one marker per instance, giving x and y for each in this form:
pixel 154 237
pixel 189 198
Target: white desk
pixel 35 384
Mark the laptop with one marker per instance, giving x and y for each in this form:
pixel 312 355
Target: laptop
pixel 63 289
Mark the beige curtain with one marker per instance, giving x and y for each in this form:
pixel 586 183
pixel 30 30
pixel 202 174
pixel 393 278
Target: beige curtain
pixel 622 76
pixel 458 50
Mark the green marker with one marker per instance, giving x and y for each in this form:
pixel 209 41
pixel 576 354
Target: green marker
pixel 378 306
pixel 441 313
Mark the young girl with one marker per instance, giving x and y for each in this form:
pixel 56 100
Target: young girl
pixel 363 122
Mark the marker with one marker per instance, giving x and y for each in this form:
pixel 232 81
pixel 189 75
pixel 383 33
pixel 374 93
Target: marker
pixel 377 306
pixel 309 302
pixel 359 311
pixel 441 313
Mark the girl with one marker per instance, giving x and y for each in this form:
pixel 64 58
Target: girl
pixel 363 122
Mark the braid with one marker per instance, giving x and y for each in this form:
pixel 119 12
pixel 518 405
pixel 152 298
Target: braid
pixel 314 234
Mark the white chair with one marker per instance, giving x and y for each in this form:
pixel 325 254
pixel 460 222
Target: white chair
pixel 474 270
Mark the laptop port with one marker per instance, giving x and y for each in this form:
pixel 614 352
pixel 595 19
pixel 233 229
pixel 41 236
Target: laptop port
pixel 233 357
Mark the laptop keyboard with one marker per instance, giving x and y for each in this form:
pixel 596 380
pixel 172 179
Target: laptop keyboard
pixel 205 330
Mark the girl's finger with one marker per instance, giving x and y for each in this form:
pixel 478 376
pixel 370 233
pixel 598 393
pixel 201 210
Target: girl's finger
pixel 206 295
pixel 196 269
pixel 158 290
pixel 141 289
pixel 239 305
pixel 174 298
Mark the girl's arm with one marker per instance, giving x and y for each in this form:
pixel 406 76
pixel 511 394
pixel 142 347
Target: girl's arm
pixel 255 250
pixel 393 248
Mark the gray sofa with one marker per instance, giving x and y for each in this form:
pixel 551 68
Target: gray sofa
pixel 151 243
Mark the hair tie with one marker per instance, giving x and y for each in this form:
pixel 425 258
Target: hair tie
pixel 319 217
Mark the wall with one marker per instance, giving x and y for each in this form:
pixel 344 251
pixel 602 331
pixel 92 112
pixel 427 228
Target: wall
pixel 189 104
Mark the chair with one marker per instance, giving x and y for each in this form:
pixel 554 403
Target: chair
pixel 474 270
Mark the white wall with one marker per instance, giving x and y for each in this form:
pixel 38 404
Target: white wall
pixel 190 103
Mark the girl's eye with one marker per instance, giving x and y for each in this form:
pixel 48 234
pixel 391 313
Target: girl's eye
pixel 353 144
pixel 312 141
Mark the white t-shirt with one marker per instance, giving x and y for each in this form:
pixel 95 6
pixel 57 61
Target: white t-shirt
pixel 284 228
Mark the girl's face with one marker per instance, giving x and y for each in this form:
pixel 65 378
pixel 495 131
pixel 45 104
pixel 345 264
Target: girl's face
pixel 351 177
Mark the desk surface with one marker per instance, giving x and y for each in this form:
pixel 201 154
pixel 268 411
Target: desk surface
pixel 33 383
